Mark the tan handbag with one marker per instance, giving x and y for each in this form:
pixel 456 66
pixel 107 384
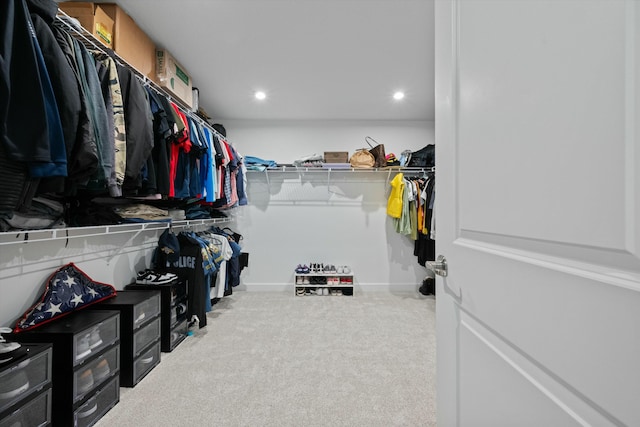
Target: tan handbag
pixel 362 159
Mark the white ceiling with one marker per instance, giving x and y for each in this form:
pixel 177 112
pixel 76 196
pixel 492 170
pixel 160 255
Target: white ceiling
pixel 315 59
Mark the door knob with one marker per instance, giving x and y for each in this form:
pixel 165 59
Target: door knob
pixel 439 266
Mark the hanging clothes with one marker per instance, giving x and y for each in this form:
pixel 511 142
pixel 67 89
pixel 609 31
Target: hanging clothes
pixel 395 201
pixel 190 268
pixel 112 91
pixel 63 83
pixel 139 125
pixel 162 135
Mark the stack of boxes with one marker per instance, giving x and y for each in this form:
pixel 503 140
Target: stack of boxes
pixel 114 28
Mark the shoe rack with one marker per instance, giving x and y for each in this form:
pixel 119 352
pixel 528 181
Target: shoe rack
pixel 25 388
pixel 139 333
pixel 86 356
pixel 173 303
pixel 323 282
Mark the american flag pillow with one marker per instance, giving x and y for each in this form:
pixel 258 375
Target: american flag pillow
pixel 68 289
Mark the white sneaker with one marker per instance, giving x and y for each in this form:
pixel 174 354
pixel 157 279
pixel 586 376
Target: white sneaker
pixel 346 270
pixel 325 291
pixel 340 270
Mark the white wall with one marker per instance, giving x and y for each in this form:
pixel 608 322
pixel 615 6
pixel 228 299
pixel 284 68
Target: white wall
pixel 25 267
pixel 291 219
pixel 285 141
pixel 297 218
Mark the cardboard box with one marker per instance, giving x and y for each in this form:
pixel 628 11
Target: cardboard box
pixel 173 77
pixel 336 157
pixel 93 18
pixel 130 42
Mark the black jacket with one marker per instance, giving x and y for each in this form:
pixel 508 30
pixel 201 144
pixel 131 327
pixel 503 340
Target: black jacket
pixel 139 125
pixel 83 161
pixel 62 78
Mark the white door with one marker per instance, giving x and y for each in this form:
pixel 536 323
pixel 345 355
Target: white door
pixel 538 212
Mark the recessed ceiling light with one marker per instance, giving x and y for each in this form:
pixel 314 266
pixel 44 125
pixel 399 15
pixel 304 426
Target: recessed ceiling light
pixel 398 95
pixel 260 95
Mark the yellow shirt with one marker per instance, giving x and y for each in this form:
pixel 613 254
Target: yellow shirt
pixel 394 204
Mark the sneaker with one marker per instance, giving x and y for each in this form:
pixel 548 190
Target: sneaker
pixel 150 277
pixel 300 292
pixel 305 269
pixel 305 281
pixel 94 338
pixel 338 291
pixel 140 318
pixel 102 370
pixel 346 269
pixel 299 269
pixel 325 291
pixel 89 408
pixel 339 270
pixel 13 386
pixel 299 280
pixel 83 347
pixel 85 381
pixel 147 360
pixel 11 351
pixel 181 309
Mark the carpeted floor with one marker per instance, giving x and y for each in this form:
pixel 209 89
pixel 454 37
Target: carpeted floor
pixel 274 359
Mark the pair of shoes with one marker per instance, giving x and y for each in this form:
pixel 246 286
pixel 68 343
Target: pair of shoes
pixel 346 280
pixel 316 267
pixel 150 277
pixel 336 292
pixel 300 292
pixel 91 376
pixel 299 280
pixel 305 281
pixel 87 343
pixel 343 269
pixel 302 269
pixel 333 280
pixel 330 269
pixel 322 291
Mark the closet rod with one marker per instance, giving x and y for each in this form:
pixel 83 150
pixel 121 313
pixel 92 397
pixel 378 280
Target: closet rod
pixel 65 22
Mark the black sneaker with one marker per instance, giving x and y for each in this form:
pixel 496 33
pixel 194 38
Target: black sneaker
pixel 150 277
pixel 428 286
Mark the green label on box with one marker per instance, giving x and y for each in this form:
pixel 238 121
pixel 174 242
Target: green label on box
pixel 105 35
pixel 182 75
